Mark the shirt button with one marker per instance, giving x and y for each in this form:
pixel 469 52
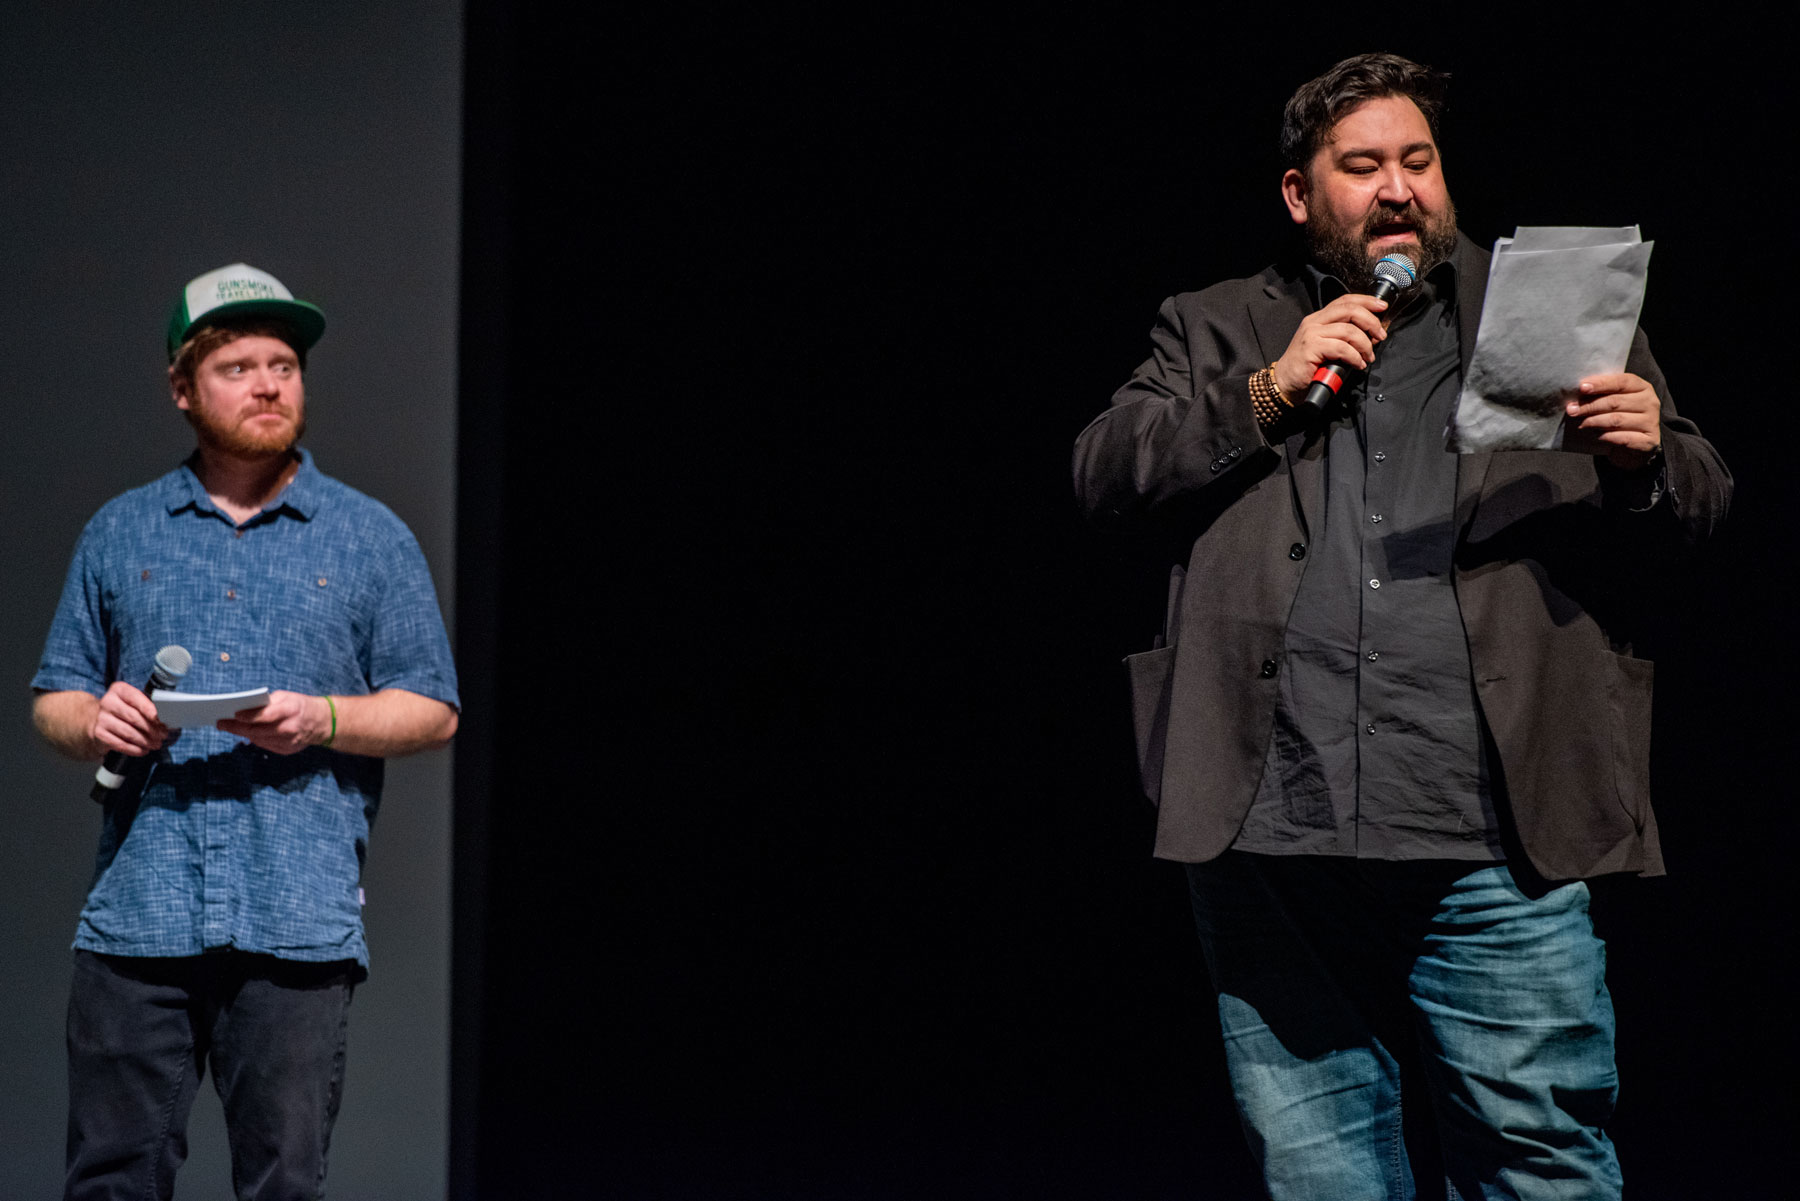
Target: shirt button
pixel 1369 729
pixel 1268 669
pixel 1380 397
pixel 1235 452
pixel 231 594
pixel 1297 551
pixel 237 533
pixel 1374 583
pixel 1381 456
pixel 1373 655
pixel 1375 518
pixel 224 656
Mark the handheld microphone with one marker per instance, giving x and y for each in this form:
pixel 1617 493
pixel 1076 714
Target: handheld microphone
pixel 172 663
pixel 1393 275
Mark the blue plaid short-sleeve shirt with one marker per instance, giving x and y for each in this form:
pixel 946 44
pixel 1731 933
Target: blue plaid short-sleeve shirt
pixel 229 846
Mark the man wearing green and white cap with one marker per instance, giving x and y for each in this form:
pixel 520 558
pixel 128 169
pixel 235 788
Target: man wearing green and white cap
pixel 223 928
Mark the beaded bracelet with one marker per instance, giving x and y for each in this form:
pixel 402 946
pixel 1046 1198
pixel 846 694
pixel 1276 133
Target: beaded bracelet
pixel 1267 399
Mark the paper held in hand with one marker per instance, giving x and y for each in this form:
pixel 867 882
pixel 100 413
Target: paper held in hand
pixel 179 710
pixel 1562 304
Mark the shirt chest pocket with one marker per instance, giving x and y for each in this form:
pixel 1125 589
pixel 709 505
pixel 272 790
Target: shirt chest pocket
pixel 317 618
pixel 158 603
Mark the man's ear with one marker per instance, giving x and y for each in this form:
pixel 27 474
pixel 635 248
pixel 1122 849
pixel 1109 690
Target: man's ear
pixel 1294 190
pixel 178 390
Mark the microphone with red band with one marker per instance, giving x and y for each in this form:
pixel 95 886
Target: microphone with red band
pixel 172 663
pixel 1393 275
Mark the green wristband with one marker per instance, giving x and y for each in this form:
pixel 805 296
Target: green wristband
pixel 329 705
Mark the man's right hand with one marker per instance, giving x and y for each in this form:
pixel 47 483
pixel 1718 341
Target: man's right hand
pixel 1344 331
pixel 125 721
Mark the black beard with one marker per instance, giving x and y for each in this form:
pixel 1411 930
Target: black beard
pixel 1344 252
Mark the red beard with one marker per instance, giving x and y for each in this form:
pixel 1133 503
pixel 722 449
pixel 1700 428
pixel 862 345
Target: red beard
pixel 243 441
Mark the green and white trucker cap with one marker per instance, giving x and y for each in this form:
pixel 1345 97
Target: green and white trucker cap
pixel 240 290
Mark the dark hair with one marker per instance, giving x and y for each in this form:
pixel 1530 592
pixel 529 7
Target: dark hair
pixel 1317 106
pixel 202 340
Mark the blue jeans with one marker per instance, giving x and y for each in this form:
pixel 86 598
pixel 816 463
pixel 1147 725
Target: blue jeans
pixel 141 1033
pixel 1348 988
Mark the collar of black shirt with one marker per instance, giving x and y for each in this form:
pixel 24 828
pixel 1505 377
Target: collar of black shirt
pixel 1439 283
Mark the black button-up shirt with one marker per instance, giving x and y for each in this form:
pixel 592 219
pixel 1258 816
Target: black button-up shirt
pixel 1377 747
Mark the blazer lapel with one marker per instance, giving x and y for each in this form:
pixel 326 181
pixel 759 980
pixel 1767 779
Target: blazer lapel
pixel 1274 317
pixel 1277 313
pixel 1471 289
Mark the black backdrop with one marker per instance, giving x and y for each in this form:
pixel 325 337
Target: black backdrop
pixel 798 851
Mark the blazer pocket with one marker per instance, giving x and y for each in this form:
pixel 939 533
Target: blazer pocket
pixel 1150 676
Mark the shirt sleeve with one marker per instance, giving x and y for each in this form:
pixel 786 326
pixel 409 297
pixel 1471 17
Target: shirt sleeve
pixel 78 654
pixel 408 647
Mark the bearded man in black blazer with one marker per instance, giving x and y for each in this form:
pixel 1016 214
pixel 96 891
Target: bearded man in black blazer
pixel 1399 710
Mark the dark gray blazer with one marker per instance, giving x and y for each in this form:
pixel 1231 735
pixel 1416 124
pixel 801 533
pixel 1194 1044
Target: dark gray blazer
pixel 1552 569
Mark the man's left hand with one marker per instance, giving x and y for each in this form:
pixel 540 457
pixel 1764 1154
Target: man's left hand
pixel 1617 415
pixel 291 721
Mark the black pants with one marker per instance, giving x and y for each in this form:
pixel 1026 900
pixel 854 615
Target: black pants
pixel 141 1033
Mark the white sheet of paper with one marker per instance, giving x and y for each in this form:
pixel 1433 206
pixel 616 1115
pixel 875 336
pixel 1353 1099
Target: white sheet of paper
pixel 1562 303
pixel 1571 237
pixel 183 709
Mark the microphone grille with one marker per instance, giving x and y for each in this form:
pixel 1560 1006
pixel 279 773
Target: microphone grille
pixel 174 661
pixel 1398 270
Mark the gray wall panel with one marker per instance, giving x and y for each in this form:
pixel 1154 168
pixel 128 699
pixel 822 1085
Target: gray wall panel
pixel 144 144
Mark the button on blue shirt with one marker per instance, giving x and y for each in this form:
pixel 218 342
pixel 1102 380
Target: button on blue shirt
pixel 228 846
